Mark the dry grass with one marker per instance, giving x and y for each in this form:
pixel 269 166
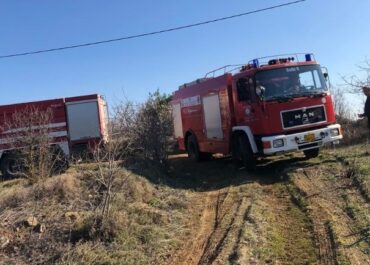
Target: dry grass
pixel 146 223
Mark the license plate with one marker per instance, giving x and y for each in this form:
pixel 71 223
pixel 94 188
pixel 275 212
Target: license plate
pixel 309 137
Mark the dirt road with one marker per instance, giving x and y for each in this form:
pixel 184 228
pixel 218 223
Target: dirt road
pixel 290 211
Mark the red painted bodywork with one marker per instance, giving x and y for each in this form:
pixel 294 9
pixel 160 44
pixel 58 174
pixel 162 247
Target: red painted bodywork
pixel 264 119
pixel 7 113
pixel 59 116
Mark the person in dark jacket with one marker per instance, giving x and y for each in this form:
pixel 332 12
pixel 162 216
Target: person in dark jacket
pixel 366 113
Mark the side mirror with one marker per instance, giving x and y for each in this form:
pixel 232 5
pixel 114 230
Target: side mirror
pixel 325 73
pixel 260 91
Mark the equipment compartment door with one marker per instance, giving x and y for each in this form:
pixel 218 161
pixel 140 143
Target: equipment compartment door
pixel 83 120
pixel 177 120
pixel 212 117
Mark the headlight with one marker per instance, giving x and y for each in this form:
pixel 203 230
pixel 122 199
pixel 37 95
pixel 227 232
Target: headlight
pixel 278 143
pixel 334 132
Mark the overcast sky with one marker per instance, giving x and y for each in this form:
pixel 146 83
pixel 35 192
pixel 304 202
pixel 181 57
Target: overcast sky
pixel 337 31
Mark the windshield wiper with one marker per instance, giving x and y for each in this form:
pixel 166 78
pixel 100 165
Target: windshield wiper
pixel 280 98
pixel 310 93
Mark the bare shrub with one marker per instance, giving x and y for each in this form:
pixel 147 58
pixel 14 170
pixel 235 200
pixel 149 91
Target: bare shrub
pixel 355 131
pixel 109 162
pixel 341 106
pixel 355 83
pixel 31 153
pixel 105 181
pixel 123 127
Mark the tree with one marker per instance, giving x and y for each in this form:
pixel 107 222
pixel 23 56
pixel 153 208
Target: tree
pixel 146 127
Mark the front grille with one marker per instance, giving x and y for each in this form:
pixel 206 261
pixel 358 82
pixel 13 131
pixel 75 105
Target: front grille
pixel 303 116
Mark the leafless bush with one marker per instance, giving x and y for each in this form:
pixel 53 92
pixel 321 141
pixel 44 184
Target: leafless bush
pixel 355 83
pixel 31 153
pixel 355 130
pixel 123 127
pixel 108 159
pixel 107 180
pixel 341 107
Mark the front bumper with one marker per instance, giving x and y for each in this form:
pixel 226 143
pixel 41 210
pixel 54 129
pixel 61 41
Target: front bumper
pixel 302 141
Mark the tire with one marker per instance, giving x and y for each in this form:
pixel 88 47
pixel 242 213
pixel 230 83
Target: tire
pixel 205 156
pixel 60 162
pixel 193 149
pixel 244 152
pixel 10 166
pixel 311 153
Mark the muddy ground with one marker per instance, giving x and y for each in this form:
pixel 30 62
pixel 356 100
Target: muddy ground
pixel 289 211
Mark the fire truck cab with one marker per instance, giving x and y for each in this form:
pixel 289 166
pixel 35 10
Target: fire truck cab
pixel 269 106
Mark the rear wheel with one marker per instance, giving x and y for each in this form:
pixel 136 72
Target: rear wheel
pixel 311 153
pixel 59 161
pixel 193 149
pixel 10 166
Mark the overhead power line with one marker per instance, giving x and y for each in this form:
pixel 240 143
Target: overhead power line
pixel 152 33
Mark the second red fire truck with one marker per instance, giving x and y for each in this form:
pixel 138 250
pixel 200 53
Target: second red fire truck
pixel 77 125
pixel 271 105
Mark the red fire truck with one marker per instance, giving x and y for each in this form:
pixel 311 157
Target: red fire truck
pixel 269 106
pixel 77 125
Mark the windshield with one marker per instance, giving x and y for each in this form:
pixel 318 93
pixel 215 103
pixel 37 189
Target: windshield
pixel 291 82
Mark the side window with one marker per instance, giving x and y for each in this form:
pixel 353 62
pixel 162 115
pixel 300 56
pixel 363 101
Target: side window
pixel 243 89
pixel 317 79
pixel 306 79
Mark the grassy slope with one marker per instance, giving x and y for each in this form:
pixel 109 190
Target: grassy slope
pixel 147 224
pixel 290 211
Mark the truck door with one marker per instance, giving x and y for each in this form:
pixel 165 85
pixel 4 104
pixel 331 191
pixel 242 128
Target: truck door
pixel 212 117
pixel 245 103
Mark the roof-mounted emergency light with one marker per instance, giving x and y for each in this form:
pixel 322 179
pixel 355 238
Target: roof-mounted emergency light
pixel 256 63
pixel 281 61
pixel 308 57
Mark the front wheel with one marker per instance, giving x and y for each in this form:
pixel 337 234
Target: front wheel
pixel 244 152
pixel 311 153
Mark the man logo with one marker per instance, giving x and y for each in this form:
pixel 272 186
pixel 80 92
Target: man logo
pixel 305 119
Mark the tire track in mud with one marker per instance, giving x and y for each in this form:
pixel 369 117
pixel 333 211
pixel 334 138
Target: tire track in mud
pixel 225 216
pixel 329 219
pixel 221 210
pixel 217 243
pixel 190 252
pixel 261 206
pixel 324 244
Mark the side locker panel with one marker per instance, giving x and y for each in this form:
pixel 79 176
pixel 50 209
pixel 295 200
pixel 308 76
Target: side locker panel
pixel 177 120
pixel 212 117
pixel 83 120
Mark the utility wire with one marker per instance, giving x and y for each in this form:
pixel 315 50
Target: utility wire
pixel 152 33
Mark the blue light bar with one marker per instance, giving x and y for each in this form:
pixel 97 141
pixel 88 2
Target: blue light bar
pixel 308 57
pixel 256 63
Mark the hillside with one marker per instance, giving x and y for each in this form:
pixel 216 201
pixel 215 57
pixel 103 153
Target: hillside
pixel 289 211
